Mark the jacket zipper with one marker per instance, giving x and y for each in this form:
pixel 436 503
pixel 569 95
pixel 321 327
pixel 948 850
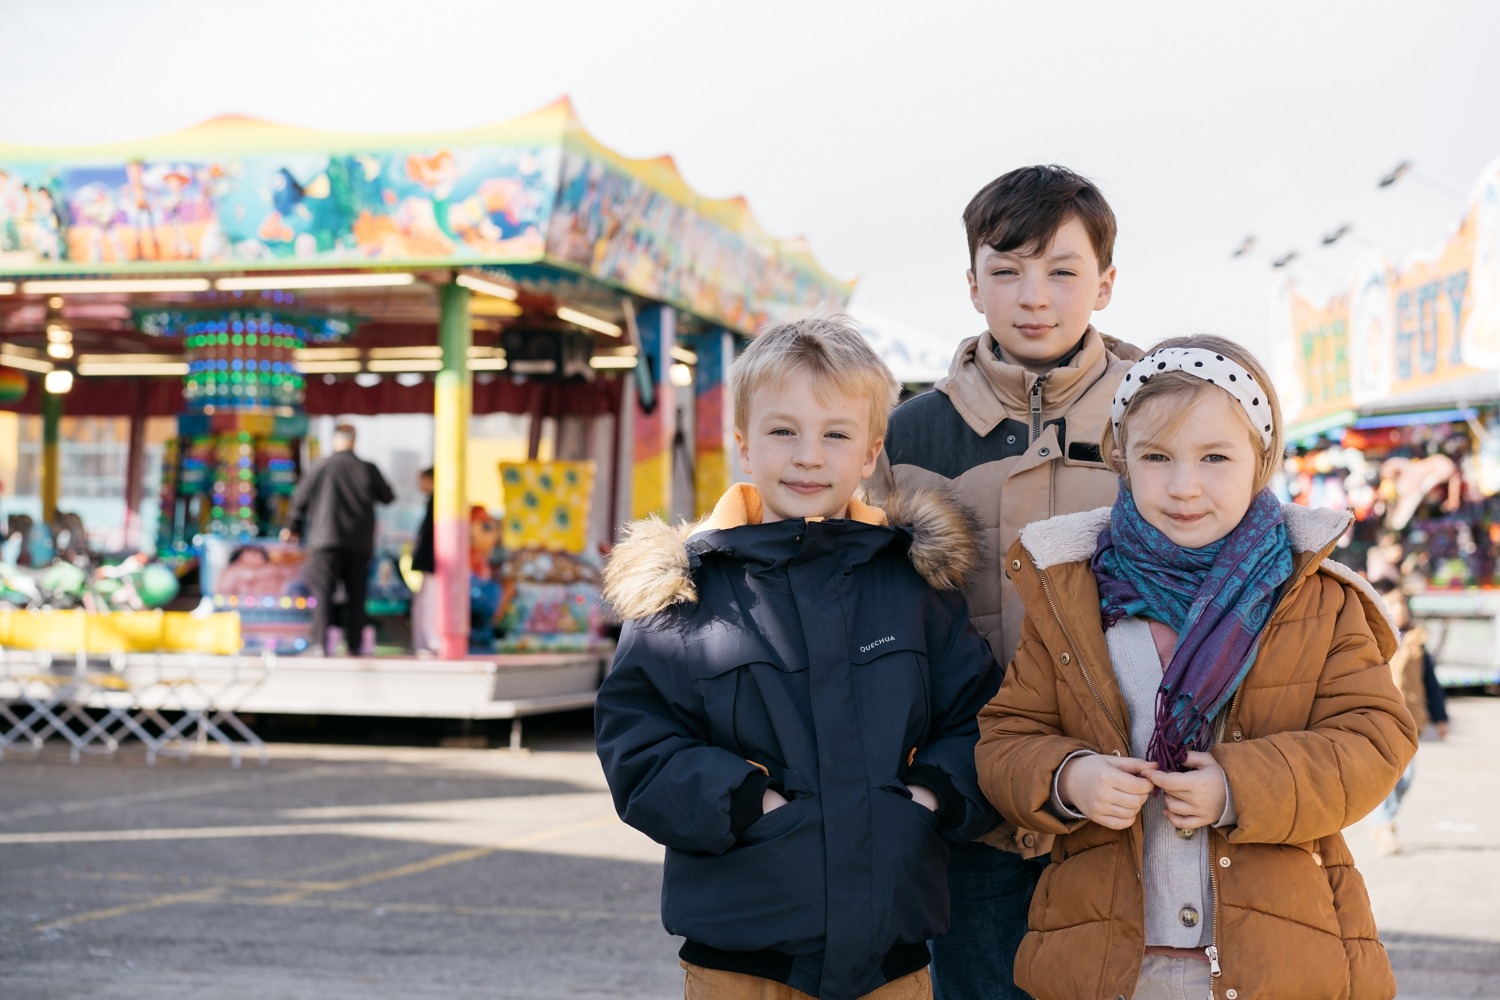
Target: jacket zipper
pixel 1212 951
pixel 1087 677
pixel 1036 407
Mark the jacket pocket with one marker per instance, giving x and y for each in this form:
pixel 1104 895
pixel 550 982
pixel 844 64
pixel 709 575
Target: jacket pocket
pixel 753 699
pixel 911 897
pixel 1307 896
pixel 900 790
pixel 768 891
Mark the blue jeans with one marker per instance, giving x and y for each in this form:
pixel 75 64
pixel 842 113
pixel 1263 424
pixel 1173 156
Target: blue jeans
pixel 990 892
pixel 1386 811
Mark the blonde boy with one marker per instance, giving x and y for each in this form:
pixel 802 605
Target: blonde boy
pixel 791 708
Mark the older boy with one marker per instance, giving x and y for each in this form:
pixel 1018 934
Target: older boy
pixel 1014 430
pixel 791 708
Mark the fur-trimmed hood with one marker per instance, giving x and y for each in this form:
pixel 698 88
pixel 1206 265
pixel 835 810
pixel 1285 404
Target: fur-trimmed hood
pixel 651 568
pixel 1073 538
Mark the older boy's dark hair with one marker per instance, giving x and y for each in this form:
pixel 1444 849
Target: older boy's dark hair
pixel 1024 209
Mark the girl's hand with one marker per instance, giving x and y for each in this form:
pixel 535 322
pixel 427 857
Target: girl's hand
pixel 1108 790
pixel 771 801
pixel 1195 797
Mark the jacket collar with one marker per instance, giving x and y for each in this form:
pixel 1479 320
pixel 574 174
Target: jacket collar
pixel 742 505
pixel 1072 538
pixel 985 389
pixel 652 567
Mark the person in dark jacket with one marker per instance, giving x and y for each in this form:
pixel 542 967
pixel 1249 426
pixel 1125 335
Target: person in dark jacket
pixel 424 638
pixel 791 709
pixel 1415 674
pixel 333 513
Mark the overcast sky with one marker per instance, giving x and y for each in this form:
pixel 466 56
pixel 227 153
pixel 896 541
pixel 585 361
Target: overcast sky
pixel 867 126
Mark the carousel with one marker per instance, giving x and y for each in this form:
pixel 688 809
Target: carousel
pixel 220 296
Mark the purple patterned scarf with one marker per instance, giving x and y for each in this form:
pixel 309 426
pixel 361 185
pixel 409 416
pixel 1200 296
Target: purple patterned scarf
pixel 1216 599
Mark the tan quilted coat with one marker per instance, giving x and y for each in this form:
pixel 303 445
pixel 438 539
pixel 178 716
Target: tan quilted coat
pixel 1315 738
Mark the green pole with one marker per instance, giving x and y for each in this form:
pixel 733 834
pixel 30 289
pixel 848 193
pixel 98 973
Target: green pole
pixel 51 471
pixel 452 402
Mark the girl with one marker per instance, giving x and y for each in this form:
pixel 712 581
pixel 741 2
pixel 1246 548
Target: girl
pixel 1199 704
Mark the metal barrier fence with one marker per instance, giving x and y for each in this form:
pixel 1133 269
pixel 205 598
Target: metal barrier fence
pixel 172 702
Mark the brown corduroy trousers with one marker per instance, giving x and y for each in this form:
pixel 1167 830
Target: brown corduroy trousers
pixel 715 984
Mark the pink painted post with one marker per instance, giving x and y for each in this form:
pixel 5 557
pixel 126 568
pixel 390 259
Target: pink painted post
pixel 453 401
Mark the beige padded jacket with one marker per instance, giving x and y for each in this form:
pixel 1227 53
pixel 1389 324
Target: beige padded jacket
pixel 1014 447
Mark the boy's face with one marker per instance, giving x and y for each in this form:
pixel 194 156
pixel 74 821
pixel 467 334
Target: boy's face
pixel 1038 307
pixel 806 448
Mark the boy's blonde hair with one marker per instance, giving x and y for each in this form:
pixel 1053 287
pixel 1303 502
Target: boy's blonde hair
pixel 1188 388
pixel 832 350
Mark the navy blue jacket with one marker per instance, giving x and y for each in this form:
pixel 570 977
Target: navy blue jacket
pixel 814 651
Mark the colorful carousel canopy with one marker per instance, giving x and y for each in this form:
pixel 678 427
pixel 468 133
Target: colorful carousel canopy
pixel 536 205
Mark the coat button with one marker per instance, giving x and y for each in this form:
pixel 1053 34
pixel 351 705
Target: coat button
pixel 1188 916
pixel 1238 735
pixel 1028 840
pixel 1186 833
pixel 1223 862
pixel 1232 994
pixel 1045 452
pixel 1065 659
pixel 1015 564
pixel 1317 859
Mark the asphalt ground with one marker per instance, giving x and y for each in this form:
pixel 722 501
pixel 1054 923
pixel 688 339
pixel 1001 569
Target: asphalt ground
pixel 372 871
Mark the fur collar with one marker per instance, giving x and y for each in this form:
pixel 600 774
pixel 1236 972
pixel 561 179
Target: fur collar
pixel 1073 537
pixel 651 568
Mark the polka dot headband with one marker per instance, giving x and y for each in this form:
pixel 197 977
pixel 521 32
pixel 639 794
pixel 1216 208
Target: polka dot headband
pixel 1213 368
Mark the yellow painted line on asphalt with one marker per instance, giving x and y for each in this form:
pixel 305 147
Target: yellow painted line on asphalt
pixel 168 833
pixel 370 857
pixel 288 882
pixel 267 830
pixel 451 858
pixel 163 794
pixel 299 896
pixel 201 896
pixel 216 897
pixel 449 909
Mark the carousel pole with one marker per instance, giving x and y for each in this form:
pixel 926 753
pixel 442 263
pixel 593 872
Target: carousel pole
pixel 655 417
pixel 134 454
pixel 52 408
pixel 453 401
pixel 713 416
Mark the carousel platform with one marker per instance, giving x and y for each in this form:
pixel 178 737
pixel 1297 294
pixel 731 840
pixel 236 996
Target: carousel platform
pixel 494 686
pixel 174 701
